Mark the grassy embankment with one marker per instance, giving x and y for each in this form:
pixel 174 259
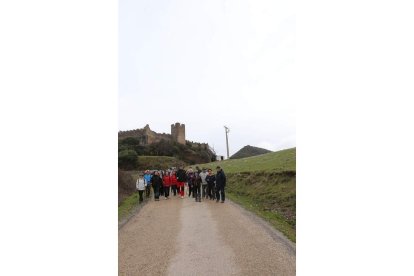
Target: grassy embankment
pixel 145 162
pixel 126 206
pixel 266 185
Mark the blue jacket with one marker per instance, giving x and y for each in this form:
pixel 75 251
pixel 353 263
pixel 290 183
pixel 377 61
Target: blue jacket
pixel 147 178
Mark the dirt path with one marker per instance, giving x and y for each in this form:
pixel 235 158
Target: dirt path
pixel 182 237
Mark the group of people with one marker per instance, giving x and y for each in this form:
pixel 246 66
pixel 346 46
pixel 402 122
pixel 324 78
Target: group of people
pixel 199 183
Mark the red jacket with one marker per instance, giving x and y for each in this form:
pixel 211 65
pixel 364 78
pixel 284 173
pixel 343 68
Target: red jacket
pixel 174 180
pixel 166 180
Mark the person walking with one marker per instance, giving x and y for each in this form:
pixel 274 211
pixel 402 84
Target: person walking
pixel 197 187
pixel 181 179
pixel 161 174
pixel 204 184
pixel 174 183
pixel 166 181
pixel 211 179
pixel 156 185
pixel 220 184
pixel 190 181
pixel 140 187
pixel 147 179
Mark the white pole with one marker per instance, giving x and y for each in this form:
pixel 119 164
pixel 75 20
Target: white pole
pixel 227 141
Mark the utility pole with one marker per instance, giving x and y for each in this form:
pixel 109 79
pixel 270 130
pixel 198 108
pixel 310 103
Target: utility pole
pixel 227 140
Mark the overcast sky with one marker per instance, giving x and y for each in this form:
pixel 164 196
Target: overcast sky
pixel 208 64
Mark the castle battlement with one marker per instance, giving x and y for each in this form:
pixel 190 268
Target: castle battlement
pixel 146 136
pixel 178 133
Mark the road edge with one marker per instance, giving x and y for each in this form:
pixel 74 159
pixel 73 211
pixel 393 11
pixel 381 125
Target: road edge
pixel 135 210
pixel 270 229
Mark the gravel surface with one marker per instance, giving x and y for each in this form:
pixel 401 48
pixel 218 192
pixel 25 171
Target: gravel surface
pixel 201 250
pixel 147 242
pixel 183 237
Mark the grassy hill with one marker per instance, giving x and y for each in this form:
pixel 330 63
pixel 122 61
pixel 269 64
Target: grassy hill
pixel 266 185
pixel 279 161
pixel 190 152
pixel 248 151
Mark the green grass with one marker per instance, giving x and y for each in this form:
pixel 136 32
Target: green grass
pixel 271 195
pixel 284 160
pixel 126 206
pixel 273 218
pixel 266 185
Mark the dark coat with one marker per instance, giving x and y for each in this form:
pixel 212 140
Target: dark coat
pixel 191 178
pixel 210 179
pixel 156 181
pixel 220 179
pixel 197 179
pixel 181 175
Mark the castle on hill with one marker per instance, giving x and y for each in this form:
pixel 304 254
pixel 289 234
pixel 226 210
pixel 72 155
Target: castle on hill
pixel 192 153
pixel 146 136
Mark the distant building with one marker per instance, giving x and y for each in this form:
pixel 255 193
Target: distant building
pixel 220 157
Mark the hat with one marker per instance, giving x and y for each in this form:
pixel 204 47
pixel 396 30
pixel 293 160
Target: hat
pixel 218 167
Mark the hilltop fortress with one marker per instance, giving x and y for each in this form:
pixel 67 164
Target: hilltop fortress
pixel 146 136
pixel 162 144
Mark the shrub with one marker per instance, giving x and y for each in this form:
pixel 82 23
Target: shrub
pixel 127 159
pixel 129 141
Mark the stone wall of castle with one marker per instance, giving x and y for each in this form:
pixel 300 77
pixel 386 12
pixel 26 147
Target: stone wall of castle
pixel 135 133
pixel 178 133
pixel 146 136
pixel 203 146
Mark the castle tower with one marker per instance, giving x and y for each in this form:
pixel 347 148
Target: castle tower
pixel 178 133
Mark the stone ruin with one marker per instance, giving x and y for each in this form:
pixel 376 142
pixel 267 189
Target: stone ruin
pixel 146 136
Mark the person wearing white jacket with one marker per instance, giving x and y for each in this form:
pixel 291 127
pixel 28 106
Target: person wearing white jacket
pixel 140 186
pixel 203 176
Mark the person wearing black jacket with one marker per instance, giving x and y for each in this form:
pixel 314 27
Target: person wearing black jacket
pixel 220 184
pixel 190 182
pixel 181 179
pixel 156 184
pixel 197 187
pixel 211 178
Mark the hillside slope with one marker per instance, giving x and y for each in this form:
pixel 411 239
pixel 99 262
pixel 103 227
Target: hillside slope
pixel 248 151
pixel 279 161
pixel 190 153
pixel 266 185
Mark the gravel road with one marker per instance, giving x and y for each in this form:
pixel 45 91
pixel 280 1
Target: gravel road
pixel 182 237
